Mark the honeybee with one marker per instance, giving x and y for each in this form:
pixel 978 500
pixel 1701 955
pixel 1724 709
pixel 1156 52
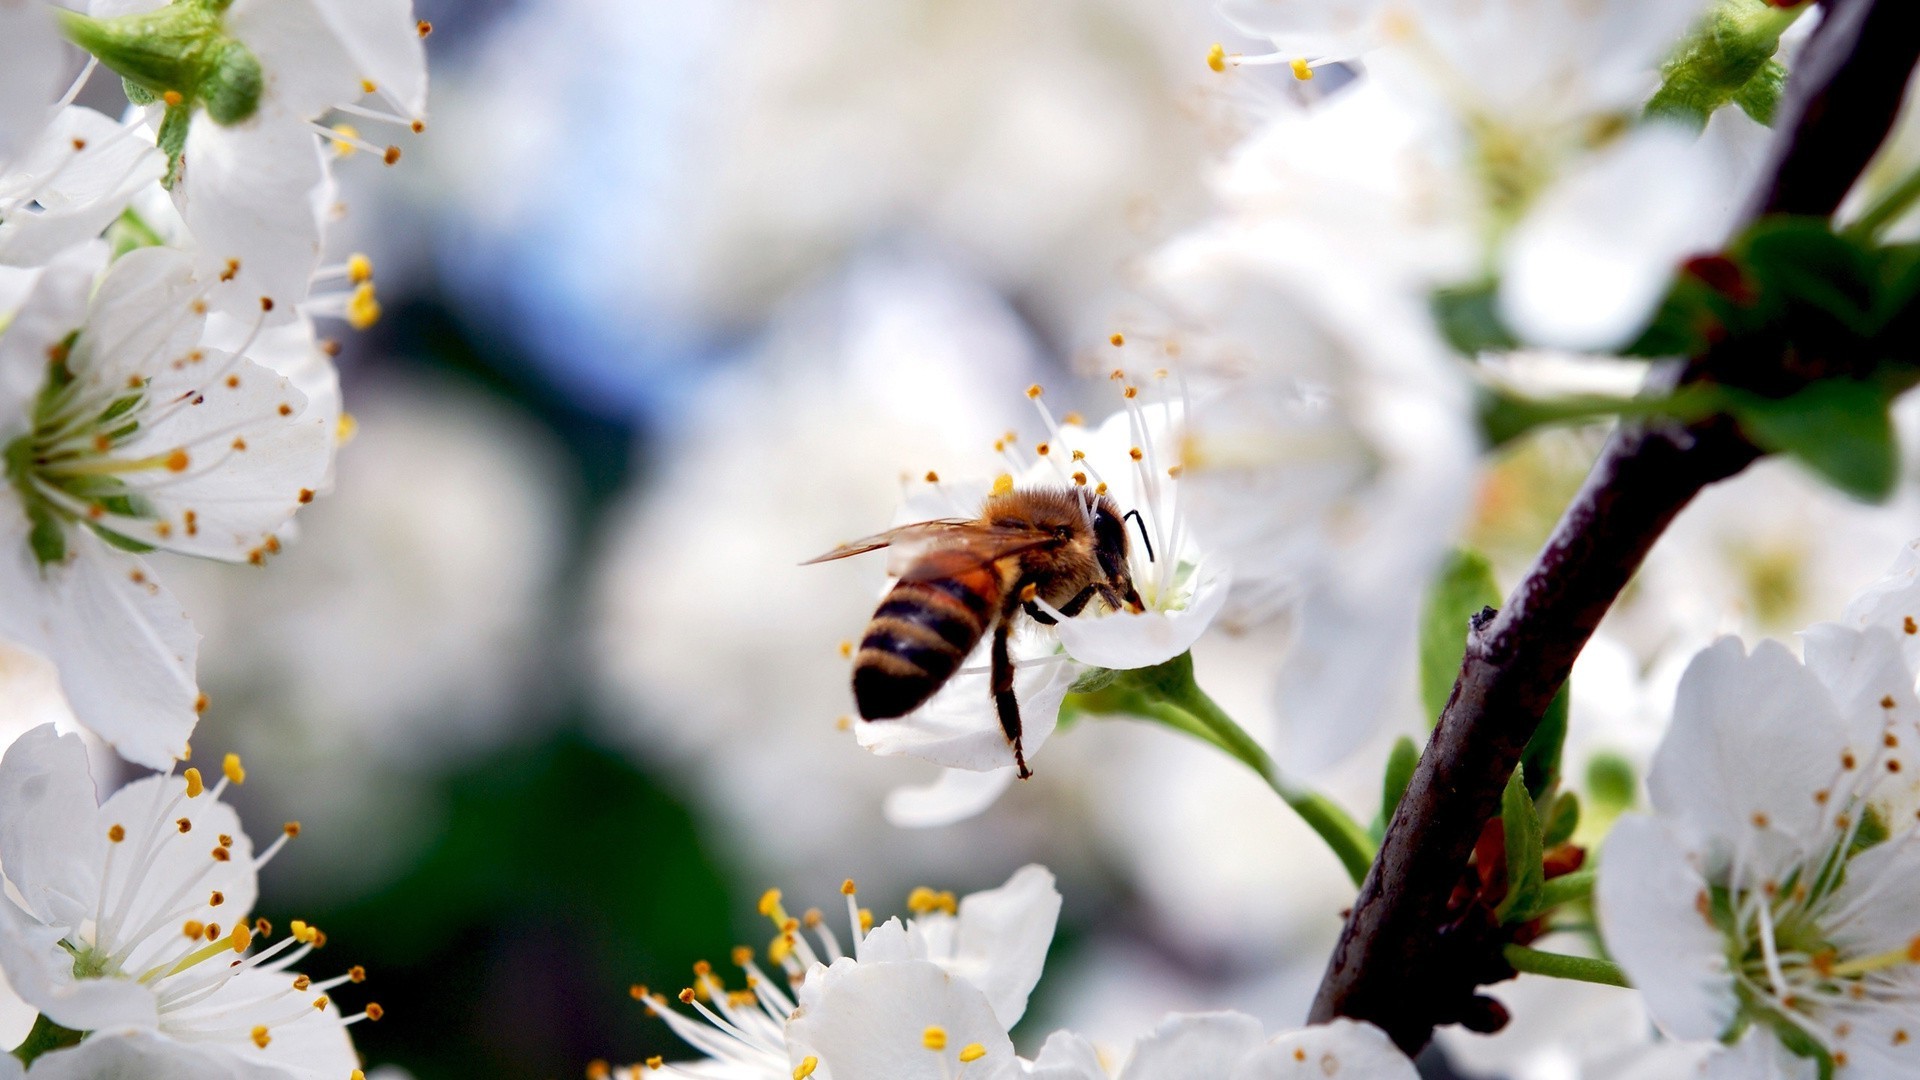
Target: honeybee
pixel 961 577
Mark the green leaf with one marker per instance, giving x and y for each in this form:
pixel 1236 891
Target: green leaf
pixel 1839 428
pixel 1521 823
pixel 1469 318
pixel 1541 758
pixel 1760 97
pixel 1727 59
pixel 1563 817
pixel 1801 263
pixel 1400 765
pixel 1463 589
pixel 1612 784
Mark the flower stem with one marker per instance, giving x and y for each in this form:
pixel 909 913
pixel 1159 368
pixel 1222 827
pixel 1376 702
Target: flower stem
pixel 1565 889
pixel 46 1035
pixel 1562 966
pixel 1173 697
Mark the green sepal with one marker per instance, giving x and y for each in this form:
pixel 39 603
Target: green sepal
pixel 1521 824
pixel 1721 61
pixel 1760 97
pixel 168 48
pixel 47 538
pixel 1541 758
pixel 120 540
pixel 1094 680
pixel 1401 762
pixel 1563 818
pixel 1469 318
pixel 1463 588
pixel 1840 428
pixel 46 1036
pixel 137 94
pixel 172 141
pixel 130 232
pixel 1612 784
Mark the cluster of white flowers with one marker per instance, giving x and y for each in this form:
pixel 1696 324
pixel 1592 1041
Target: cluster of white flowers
pixel 163 387
pixel 932 998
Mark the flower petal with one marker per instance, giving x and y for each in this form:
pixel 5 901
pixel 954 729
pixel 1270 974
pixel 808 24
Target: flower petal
pixel 82 172
pixel 1123 641
pixel 1340 1050
pixel 1648 897
pixel 868 1022
pixel 41 971
pixel 50 849
pixel 1194 1046
pixel 1000 943
pixel 957 795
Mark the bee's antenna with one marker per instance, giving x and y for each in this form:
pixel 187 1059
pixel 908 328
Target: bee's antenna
pixel 1142 522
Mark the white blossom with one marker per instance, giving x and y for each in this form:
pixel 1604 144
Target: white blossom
pixel 131 915
pixel 122 433
pixel 69 184
pixel 1232 1046
pixel 908 999
pixel 1330 459
pixel 1767 898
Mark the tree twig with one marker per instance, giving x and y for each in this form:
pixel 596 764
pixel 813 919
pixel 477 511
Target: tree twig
pixel 1413 954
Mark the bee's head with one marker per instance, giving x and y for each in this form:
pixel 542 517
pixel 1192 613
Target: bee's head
pixel 1110 546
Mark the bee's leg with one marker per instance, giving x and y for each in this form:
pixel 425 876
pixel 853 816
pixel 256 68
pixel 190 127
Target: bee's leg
pixel 1071 608
pixel 1003 699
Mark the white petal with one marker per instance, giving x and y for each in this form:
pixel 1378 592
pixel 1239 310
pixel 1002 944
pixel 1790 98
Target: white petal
pixel 1760 1056
pixel 307 67
pixel 1647 898
pixel 50 849
pixel 33 62
pixel 82 172
pixel 41 971
pixel 1067 1056
pixel 1868 677
pixel 1753 738
pixel 1588 265
pixel 1123 641
pixel 140 321
pixel 1341 1050
pixel 123 646
pixel 383 38
pixel 867 1022
pixel 54 308
pixel 182 864
pixel 255 453
pixel 1001 940
pixel 957 795
pixel 1194 1046
pixel 314 1044
pixel 1893 603
pixel 141 1055
pixel 248 194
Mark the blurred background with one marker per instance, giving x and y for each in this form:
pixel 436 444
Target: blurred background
pixel 674 296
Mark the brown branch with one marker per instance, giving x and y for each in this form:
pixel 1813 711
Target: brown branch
pixel 1412 955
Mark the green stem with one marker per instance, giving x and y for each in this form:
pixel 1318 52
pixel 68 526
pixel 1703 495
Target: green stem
pixel 1506 417
pixel 1562 966
pixel 1890 205
pixel 1350 843
pixel 46 1035
pixel 1565 889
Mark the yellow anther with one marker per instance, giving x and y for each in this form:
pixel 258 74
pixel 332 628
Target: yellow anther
pixel 193 928
pixel 846 888
pixel 686 996
pixel 116 833
pixel 932 477
pixel 866 919
pixel 1118 340
pixel 1217 57
pixel 637 992
pixel 291 828
pixel 363 307
pixel 359 268
pixel 241 937
pixel 1034 391
pixel 178 461
pixel 742 956
pixel 1300 69
pixel 236 772
pixel 770 905
pixel 779 949
pixel 260 1037
pixel 1134 453
pixel 846 650
pixel 345 429
pixel 934 1038
pixel 1003 484
pixel 806 1067
pixel 374 1011
pixel 348 135
pixel 172 97
pixel 972 1052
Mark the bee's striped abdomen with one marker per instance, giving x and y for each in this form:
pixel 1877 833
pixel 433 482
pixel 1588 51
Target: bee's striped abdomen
pixel 919 635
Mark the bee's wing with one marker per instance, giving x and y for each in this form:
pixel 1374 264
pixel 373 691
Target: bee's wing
pixel 916 534
pixel 943 547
